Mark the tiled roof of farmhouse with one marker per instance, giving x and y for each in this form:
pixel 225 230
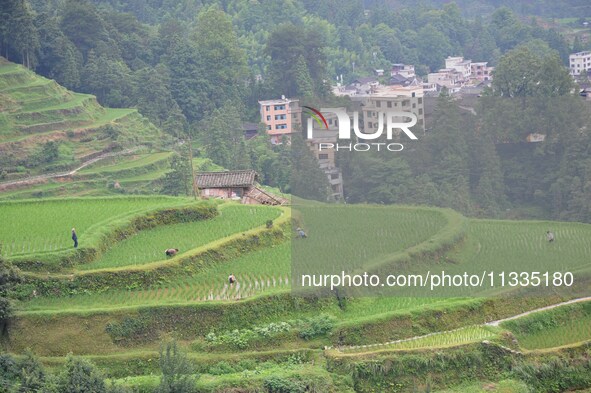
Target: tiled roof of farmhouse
pixel 225 179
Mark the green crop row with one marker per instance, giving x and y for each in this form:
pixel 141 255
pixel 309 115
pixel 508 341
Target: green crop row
pixel 149 245
pixel 553 328
pixel 44 226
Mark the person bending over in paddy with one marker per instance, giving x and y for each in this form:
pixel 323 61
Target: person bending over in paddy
pixel 301 233
pixel 171 252
pixel 75 237
pixel 231 279
pixel 550 236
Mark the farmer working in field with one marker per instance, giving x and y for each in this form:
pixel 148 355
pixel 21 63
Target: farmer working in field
pixel 550 236
pixel 231 279
pixel 301 233
pixel 171 252
pixel 75 237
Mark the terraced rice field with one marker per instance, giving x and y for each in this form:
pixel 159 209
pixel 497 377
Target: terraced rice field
pixel 548 329
pixel 507 245
pixel 149 245
pixel 343 236
pixel 456 337
pixel 44 226
pixel 260 271
pixel 572 331
pixel 135 162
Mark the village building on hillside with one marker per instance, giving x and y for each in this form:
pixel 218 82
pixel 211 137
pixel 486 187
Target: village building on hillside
pixel 282 117
pixel 404 70
pixel 391 98
pixel 326 157
pixel 236 185
pixel 579 63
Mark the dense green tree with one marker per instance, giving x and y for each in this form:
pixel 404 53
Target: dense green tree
pixel 389 43
pixel 32 374
pixel 58 57
pixel 176 123
pixel 9 276
pixel 305 86
pixel 152 95
pixel 83 25
pixel 307 179
pixel 80 376
pixel 285 46
pixel 50 152
pixel 110 80
pixel 507 29
pixel 433 47
pixel 223 138
pixel 178 374
pixel 577 45
pixel 516 74
pixel 178 180
pixel 18 32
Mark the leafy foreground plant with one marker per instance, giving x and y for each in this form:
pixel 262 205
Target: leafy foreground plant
pixel 178 375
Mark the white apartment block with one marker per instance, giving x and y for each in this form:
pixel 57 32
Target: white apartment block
pixel 458 63
pixel 579 63
pixel 391 98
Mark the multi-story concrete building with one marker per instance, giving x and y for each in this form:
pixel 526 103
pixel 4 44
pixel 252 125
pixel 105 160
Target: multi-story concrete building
pixel 449 78
pixel 579 63
pixel 460 65
pixel 391 98
pixel 481 71
pixel 405 70
pixel 326 157
pixel 282 117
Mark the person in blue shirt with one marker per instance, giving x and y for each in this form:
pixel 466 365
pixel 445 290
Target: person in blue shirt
pixel 75 237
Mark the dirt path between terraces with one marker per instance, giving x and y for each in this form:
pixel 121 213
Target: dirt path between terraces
pixel 578 300
pixel 492 323
pixel 37 179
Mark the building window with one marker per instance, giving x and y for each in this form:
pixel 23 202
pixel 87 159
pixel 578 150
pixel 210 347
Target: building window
pixel 414 105
pixel 413 94
pixel 280 126
pixel 378 104
pixel 280 117
pixel 268 127
pixel 389 104
pixel 279 107
pixel 369 125
pixel 268 117
pixel 334 176
pixel 420 100
pixel 268 108
pixel 420 111
pixel 323 156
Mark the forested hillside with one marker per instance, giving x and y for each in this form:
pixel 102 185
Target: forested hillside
pixel 198 69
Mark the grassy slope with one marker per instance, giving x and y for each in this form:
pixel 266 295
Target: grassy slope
pixel 36 110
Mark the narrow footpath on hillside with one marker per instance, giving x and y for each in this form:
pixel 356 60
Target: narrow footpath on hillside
pixel 39 178
pixel 492 323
